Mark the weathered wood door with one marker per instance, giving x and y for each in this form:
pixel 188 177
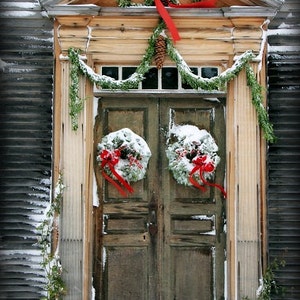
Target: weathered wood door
pixel 166 241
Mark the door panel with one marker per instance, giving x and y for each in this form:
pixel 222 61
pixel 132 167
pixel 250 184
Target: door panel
pixel 128 267
pixel 165 241
pixel 193 251
pixel 196 281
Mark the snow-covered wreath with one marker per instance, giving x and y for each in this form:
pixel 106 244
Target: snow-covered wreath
pixel 192 155
pixel 123 157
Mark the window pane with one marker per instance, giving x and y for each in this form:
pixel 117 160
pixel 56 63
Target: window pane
pixel 186 85
pixel 209 72
pixel 151 79
pixel 111 72
pixel 127 72
pixel 169 78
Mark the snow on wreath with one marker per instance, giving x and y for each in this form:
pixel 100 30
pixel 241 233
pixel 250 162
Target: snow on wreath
pixel 123 157
pixel 192 155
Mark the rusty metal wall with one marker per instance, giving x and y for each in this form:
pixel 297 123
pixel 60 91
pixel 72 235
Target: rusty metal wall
pixel 26 70
pixel 283 156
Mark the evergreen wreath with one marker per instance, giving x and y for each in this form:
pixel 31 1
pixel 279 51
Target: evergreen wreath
pixel 123 158
pixel 192 155
pixel 195 81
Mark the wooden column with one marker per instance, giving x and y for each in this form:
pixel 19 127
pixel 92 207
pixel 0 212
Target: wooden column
pixel 244 186
pixel 74 159
pixel 72 165
pixel 88 189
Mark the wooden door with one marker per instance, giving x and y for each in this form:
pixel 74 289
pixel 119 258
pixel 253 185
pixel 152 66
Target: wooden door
pixel 165 241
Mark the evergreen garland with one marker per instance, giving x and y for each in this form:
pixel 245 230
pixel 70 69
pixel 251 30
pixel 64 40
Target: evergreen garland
pixel 257 101
pixel 55 286
pixel 128 3
pixel 195 81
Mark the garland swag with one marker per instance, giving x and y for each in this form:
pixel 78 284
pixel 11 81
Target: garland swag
pixel 55 287
pixel 196 82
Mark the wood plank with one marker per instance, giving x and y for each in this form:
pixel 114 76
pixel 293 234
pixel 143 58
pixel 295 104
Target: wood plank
pixel 247 21
pixel 189 47
pixel 138 47
pixel 75 21
pixel 192 226
pixel 88 190
pixel 124 48
pixel 136 33
pixel 263 168
pixel 129 59
pixel 202 22
pixel 191 240
pixel 206 33
pixel 130 33
pixel 72 32
pixel 108 22
pixel 79 43
pixel 129 207
pixel 141 239
pixel 231 187
pixel 192 209
pixel 241 47
pixel 248 33
pixel 57 132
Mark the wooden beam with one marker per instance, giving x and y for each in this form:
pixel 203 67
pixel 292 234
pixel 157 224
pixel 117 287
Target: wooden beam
pixel 88 157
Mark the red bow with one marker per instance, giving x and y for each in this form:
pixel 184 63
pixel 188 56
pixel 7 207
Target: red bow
pixel 204 164
pixel 169 22
pixel 111 158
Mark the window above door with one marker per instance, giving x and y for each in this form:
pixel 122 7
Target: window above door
pixel 166 78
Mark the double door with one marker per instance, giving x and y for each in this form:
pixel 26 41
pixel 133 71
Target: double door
pixel 165 241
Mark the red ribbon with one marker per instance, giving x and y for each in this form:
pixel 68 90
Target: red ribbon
pixel 168 20
pixel 204 164
pixel 111 158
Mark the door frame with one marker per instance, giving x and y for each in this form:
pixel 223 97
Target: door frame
pixel 245 177
pixel 159 98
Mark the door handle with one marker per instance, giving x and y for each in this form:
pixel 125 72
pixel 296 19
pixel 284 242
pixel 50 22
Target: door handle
pixel 152 225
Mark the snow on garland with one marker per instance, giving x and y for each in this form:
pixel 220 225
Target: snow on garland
pixel 55 286
pixel 123 157
pixel 192 155
pixel 195 81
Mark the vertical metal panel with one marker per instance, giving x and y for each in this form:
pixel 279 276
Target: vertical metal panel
pixel 283 157
pixel 26 70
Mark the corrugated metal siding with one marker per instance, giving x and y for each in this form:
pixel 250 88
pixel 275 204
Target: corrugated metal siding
pixel 26 70
pixel 283 157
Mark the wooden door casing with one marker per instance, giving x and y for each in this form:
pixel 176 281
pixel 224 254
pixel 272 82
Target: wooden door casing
pixel 165 241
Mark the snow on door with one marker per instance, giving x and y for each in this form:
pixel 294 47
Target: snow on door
pixel 166 240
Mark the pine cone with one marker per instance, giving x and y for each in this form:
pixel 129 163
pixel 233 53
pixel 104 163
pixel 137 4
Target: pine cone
pixel 160 51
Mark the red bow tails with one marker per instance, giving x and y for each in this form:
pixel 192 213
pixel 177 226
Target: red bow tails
pixel 168 20
pixel 204 164
pixel 111 158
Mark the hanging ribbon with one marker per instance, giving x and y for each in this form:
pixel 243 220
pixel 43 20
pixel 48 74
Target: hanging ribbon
pixel 168 20
pixel 111 158
pixel 204 164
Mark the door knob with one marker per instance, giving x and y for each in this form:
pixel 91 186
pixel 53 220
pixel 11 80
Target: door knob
pixel 152 225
